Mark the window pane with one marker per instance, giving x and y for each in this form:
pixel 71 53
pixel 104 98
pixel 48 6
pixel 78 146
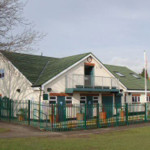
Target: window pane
pixel 52 102
pixel 139 98
pixel 95 97
pixel 68 102
pixel 133 100
pixel 82 102
pixel 52 97
pixel 69 97
pixel 95 101
pixel 82 97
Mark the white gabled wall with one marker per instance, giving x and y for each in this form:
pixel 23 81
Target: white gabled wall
pixel 14 80
pixel 58 85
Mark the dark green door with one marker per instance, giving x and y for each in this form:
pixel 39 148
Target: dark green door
pixel 61 108
pixel 89 107
pixel 107 102
pixel 118 101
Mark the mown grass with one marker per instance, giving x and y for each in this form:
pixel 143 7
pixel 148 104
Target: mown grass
pixel 132 139
pixel 2 130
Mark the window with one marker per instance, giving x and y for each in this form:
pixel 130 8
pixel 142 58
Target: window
pixel 1 73
pixel 82 99
pixel 135 75
pixel 68 100
pixel 95 100
pixel 135 99
pixel 148 98
pixel 119 74
pixel 53 100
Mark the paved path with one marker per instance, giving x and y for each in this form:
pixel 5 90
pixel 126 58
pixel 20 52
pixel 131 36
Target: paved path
pixel 27 131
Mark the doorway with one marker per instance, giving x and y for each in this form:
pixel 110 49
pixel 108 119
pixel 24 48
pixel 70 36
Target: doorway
pixel 107 102
pixel 89 76
pixel 61 108
pixel 89 107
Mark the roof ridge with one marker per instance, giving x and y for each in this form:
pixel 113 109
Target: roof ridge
pixel 28 54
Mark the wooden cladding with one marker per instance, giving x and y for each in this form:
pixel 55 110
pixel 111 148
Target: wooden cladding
pixel 89 64
pixel 60 94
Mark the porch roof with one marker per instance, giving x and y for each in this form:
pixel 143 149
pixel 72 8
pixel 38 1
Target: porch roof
pixel 71 90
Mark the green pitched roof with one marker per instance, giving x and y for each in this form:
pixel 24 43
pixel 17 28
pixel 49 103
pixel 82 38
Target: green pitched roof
pixel 39 69
pixel 128 80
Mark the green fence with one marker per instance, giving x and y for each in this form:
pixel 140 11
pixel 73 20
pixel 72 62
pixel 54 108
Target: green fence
pixel 72 117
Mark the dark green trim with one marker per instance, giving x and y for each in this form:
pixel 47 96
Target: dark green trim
pixel 71 90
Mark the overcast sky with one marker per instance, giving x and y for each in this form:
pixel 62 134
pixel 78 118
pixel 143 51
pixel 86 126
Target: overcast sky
pixel 116 31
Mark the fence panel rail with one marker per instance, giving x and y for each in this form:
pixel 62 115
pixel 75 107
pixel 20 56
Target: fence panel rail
pixel 54 117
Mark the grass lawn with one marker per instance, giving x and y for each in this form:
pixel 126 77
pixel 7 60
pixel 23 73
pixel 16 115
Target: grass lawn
pixel 132 139
pixel 2 130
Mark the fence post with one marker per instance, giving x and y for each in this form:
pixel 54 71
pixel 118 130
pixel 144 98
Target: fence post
pixel 117 115
pixel 0 106
pixel 40 123
pixel 7 102
pixel 28 112
pixel 98 124
pixel 145 112
pixel 9 106
pixel 85 116
pixel 127 122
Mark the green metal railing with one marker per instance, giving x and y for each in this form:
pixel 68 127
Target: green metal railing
pixel 72 116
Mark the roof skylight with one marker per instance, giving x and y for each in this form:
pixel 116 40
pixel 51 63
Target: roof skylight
pixel 119 74
pixel 135 75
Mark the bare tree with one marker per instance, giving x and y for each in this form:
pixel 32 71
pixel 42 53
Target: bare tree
pixel 16 35
pixel 11 18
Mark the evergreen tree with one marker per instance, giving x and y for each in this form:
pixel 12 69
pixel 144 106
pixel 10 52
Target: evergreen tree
pixel 143 73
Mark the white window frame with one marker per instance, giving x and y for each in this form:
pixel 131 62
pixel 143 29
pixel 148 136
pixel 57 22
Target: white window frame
pixel 138 99
pixel 68 100
pixel 95 98
pixel 83 99
pixel 53 100
pixel 1 72
pixel 148 99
